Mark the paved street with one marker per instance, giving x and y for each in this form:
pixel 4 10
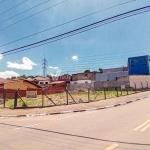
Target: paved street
pixel 120 128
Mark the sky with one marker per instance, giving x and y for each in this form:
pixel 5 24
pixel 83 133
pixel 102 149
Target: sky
pixel 107 46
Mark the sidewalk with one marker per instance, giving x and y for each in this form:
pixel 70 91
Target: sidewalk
pixel 102 104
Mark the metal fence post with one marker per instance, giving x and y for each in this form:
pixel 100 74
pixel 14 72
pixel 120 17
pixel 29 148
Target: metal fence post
pixel 15 100
pixel 104 92
pixel 141 86
pixel 67 95
pixel 42 98
pixel 127 91
pixel 117 90
pixel 4 96
pixel 147 84
pixel 134 86
pixel 88 95
pixel 121 91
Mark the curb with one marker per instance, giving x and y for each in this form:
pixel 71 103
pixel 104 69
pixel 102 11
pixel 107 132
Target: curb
pixel 73 111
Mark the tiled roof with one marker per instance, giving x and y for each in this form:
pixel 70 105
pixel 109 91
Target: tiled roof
pixel 4 80
pixel 57 82
pixel 40 78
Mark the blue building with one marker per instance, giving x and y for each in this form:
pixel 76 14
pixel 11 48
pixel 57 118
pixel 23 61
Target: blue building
pixel 139 65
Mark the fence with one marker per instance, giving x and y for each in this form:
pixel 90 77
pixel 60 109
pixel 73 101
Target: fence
pixel 67 97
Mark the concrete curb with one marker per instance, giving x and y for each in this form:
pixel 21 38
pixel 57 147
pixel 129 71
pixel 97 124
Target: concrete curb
pixel 72 111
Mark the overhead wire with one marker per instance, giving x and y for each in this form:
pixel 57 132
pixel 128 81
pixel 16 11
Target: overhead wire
pixel 98 58
pixel 24 11
pixel 2 1
pixel 32 15
pixel 66 23
pixel 81 29
pixel 13 7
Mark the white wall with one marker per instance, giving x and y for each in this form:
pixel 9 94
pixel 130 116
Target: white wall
pixel 80 81
pixel 138 79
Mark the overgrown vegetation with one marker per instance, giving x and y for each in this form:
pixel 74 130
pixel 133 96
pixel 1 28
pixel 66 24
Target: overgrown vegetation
pixel 60 98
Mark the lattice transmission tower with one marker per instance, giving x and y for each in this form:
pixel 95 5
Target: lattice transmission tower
pixel 44 66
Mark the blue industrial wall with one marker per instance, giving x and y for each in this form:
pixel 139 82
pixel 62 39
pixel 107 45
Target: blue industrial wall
pixel 139 65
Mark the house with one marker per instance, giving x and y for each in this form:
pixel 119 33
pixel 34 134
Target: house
pixel 86 77
pixel 65 77
pixel 23 86
pixel 40 80
pixel 19 84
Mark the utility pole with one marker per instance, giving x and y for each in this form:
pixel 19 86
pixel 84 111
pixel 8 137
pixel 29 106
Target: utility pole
pixel 44 64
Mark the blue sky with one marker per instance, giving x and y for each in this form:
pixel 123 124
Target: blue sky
pixel 107 46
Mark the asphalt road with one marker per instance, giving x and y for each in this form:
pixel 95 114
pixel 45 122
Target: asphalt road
pixel 120 128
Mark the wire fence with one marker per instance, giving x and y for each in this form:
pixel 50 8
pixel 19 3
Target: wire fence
pixel 14 99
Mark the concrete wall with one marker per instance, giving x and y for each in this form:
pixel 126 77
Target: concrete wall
pixel 81 86
pixel 97 85
pixel 83 76
pixel 80 81
pixel 138 79
pixel 110 76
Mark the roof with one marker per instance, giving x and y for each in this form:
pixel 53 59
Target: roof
pixel 57 82
pixel 4 80
pixel 33 83
pixel 29 79
pixel 41 78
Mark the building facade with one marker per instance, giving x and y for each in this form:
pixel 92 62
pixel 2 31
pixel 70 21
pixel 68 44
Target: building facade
pixel 139 65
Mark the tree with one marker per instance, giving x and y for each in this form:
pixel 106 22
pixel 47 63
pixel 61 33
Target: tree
pixel 87 71
pixel 100 70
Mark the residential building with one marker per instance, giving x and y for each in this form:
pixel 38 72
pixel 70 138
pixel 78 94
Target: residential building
pixel 40 80
pixel 86 77
pixel 65 77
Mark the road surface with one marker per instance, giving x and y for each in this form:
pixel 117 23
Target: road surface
pixel 125 127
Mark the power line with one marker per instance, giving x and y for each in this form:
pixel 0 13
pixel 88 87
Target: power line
pixel 104 58
pixel 33 15
pixel 13 7
pixel 2 1
pixel 140 52
pixel 80 30
pixel 25 11
pixel 66 22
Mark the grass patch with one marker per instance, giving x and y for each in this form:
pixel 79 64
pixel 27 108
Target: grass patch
pixel 60 98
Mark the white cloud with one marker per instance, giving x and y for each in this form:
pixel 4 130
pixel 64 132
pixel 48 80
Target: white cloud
pixel 26 65
pixel 1 56
pixel 51 67
pixel 75 57
pixel 8 74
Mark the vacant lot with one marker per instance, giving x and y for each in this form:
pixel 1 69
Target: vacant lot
pixel 61 98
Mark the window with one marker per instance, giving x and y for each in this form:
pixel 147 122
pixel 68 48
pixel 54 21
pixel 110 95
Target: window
pixel 85 75
pixel 41 82
pixel 133 60
pixel 86 81
pixel 46 82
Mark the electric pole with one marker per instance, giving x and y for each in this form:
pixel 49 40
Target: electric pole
pixel 44 64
